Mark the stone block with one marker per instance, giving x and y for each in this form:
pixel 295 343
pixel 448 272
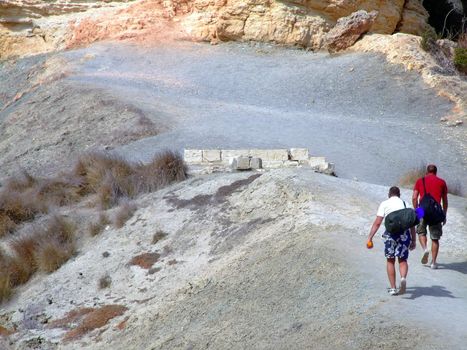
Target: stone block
pixel 300 154
pixel 228 154
pixel 211 155
pixel 291 163
pixel 193 156
pixel 273 164
pixel 240 163
pixel 328 168
pixel 270 154
pixel 255 163
pixel 316 162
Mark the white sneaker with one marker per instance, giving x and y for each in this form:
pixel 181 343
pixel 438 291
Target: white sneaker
pixel 392 291
pixel 403 286
pixel 425 255
pixel 434 266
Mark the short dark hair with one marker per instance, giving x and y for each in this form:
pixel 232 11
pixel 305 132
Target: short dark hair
pixel 431 169
pixel 394 191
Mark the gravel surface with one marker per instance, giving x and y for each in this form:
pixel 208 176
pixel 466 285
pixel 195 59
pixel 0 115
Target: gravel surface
pixel 374 120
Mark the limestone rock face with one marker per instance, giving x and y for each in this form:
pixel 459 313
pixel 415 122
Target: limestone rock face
pixel 414 18
pixel 349 29
pixel 35 26
pixel 295 22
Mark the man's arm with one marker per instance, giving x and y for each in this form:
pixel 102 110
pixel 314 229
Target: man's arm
pixel 444 199
pixel 415 194
pixel 375 227
pixel 413 241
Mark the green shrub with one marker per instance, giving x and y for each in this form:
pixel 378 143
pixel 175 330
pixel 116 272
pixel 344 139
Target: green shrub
pixel 460 59
pixel 429 38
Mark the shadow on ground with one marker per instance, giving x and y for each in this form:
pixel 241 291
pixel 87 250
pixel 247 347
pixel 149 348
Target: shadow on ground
pixel 433 291
pixel 458 266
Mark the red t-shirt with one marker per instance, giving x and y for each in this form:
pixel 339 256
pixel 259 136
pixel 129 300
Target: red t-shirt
pixel 434 186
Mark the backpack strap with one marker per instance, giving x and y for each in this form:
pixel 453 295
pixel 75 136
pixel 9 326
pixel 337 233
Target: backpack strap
pixel 424 187
pixel 405 206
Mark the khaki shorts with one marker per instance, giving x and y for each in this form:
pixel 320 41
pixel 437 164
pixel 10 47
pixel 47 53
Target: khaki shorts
pixel 436 231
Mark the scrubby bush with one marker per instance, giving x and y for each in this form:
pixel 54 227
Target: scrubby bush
pixel 165 168
pixel 94 168
pixel 429 38
pixel 112 177
pixel 460 59
pixel 58 191
pixel 44 248
pixel 97 226
pixel 123 213
pixel 105 282
pixel 159 235
pixel 17 207
pixel 462 41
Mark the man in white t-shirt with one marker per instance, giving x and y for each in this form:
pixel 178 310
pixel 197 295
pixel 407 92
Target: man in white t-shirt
pixel 395 245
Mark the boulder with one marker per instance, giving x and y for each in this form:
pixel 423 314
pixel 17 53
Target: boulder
pixel 256 163
pixel 348 30
pixel 240 163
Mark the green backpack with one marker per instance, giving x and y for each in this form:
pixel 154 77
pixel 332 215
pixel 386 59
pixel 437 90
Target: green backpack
pixel 400 220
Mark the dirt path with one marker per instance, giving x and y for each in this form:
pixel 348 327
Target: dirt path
pixel 355 109
pixel 304 277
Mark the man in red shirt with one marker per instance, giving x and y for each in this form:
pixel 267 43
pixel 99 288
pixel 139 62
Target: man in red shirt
pixel 436 187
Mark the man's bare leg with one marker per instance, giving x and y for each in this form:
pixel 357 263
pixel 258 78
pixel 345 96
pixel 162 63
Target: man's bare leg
pixel 391 269
pixel 403 268
pixel 423 243
pixel 434 250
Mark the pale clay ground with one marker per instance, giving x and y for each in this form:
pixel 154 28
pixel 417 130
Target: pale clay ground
pixel 280 263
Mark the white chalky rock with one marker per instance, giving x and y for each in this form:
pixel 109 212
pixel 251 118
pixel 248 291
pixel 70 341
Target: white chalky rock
pixel 193 156
pixel 299 154
pixel 211 155
pixel 317 162
pixel 270 154
pixel 255 163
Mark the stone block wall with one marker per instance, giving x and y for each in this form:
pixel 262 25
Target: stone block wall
pixel 244 159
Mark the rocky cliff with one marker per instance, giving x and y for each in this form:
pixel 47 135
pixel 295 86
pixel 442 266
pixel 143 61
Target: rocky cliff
pixel 31 26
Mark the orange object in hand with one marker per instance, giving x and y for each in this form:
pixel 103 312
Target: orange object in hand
pixel 369 244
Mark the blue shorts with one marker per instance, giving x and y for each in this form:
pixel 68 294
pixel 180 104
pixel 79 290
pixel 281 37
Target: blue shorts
pixel 397 245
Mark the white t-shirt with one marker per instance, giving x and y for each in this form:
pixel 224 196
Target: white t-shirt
pixel 392 204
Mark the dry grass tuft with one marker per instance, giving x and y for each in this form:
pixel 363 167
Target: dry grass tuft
pixel 110 177
pixel 6 224
pixel 93 168
pixel 59 191
pixel 123 213
pixel 159 235
pixel 43 248
pixel 165 168
pixel 462 41
pixel 6 289
pixel 105 282
pixel 17 207
pixel 88 319
pixel 22 265
pixel 50 255
pixel 21 182
pixel 145 260
pixel 55 245
pixel 99 225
